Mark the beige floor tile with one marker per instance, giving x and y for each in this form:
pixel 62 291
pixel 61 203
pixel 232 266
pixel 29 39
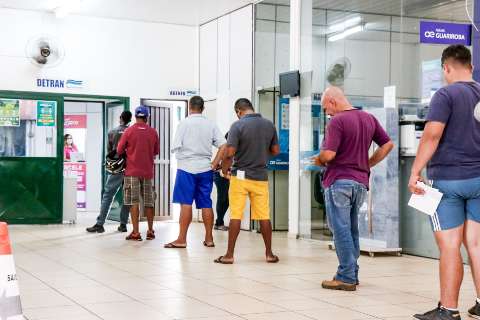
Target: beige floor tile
pixel 384 311
pixel 44 298
pixel 65 273
pixel 180 308
pixel 277 316
pixel 336 313
pixel 59 312
pixel 240 304
pixel 87 295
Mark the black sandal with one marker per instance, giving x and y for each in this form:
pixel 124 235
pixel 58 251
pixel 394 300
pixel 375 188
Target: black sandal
pixel 172 245
pixel 134 236
pixel 273 259
pixel 221 261
pixel 209 245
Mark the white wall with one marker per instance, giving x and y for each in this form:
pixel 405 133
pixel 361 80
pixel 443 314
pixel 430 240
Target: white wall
pixel 226 70
pixel 226 64
pixel 112 57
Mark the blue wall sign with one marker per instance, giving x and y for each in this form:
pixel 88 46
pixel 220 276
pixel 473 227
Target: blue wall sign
pixel 59 83
pixel 445 33
pixel 280 162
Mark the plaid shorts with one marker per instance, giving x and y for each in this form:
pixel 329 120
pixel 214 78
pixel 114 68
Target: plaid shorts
pixel 135 189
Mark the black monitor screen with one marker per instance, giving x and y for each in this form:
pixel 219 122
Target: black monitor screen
pixel 290 84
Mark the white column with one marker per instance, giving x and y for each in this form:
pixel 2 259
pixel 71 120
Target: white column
pixel 294 153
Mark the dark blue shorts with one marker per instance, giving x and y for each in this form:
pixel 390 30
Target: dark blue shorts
pixel 191 187
pixel 460 202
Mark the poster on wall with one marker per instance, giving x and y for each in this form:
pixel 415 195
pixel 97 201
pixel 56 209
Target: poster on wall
pixel 432 78
pixel 9 113
pixel 75 130
pixel 79 170
pixel 281 161
pixel 46 111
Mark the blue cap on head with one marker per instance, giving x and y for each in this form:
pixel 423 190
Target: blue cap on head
pixel 142 112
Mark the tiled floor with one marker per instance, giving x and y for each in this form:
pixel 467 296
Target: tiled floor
pixel 67 274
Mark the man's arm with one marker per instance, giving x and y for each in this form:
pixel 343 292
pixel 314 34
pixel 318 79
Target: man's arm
pixel 122 144
pixel 324 157
pixel 380 154
pixel 275 149
pixel 219 156
pixel 428 145
pixel 228 160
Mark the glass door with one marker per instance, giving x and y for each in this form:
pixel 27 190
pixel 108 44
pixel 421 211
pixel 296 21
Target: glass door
pixel 113 110
pixel 31 158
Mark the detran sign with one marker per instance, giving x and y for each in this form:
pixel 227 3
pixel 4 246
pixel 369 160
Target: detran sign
pixel 445 33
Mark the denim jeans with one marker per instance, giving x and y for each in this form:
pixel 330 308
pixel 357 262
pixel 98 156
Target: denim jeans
pixel 343 200
pixel 222 185
pixel 113 183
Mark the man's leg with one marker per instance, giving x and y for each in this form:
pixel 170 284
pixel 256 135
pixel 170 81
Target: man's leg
pixel 124 214
pixel 113 183
pixel 149 212
pixel 233 232
pixel 207 217
pixel 184 222
pixel 183 194
pixel 222 198
pixel 339 208
pixel 266 230
pixel 238 197
pixel 135 214
pixel 451 265
pixel 472 243
pixel 359 198
pixel 203 200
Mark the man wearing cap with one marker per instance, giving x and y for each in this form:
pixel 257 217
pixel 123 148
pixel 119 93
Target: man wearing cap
pixel 114 181
pixel 192 146
pixel 141 144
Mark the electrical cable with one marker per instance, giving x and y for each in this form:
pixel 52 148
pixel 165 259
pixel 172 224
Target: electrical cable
pixel 469 16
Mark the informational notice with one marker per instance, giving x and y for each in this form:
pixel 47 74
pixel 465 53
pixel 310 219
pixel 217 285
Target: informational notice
pixel 80 171
pixel 445 33
pixel 281 161
pixel 46 111
pixel 9 113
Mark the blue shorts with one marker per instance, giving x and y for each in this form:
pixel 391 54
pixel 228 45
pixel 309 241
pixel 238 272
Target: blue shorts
pixel 460 202
pixel 191 187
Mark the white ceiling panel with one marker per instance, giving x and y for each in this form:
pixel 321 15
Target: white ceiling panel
pixel 187 12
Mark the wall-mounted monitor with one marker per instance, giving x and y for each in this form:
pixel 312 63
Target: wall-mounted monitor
pixel 290 84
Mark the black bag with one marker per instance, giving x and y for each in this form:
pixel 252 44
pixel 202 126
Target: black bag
pixel 115 164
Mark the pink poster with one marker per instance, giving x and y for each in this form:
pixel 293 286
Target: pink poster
pixel 74 121
pixel 80 171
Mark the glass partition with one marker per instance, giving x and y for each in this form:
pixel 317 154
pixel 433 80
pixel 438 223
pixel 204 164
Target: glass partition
pixel 28 128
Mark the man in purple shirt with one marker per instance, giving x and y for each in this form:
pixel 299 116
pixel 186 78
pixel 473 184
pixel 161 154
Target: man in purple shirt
pixel 450 145
pixel 348 138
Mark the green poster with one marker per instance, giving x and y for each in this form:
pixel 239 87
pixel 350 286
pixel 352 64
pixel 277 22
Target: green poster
pixel 46 113
pixel 9 113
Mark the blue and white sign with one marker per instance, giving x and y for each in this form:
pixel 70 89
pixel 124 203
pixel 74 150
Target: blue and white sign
pixel 183 92
pixel 59 83
pixel 445 33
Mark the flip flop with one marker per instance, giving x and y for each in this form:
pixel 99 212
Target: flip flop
pixel 209 245
pixel 172 245
pixel 134 237
pixel 221 261
pixel 273 259
pixel 150 235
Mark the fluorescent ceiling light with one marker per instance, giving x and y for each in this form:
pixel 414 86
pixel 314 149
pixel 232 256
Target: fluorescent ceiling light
pixel 340 26
pixel 346 33
pixel 66 7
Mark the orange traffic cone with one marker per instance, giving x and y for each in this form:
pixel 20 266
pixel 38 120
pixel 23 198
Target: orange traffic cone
pixel 10 305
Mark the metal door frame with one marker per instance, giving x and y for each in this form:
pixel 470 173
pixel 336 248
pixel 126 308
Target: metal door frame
pixel 166 198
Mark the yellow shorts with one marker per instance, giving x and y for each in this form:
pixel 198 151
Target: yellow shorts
pixel 258 193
